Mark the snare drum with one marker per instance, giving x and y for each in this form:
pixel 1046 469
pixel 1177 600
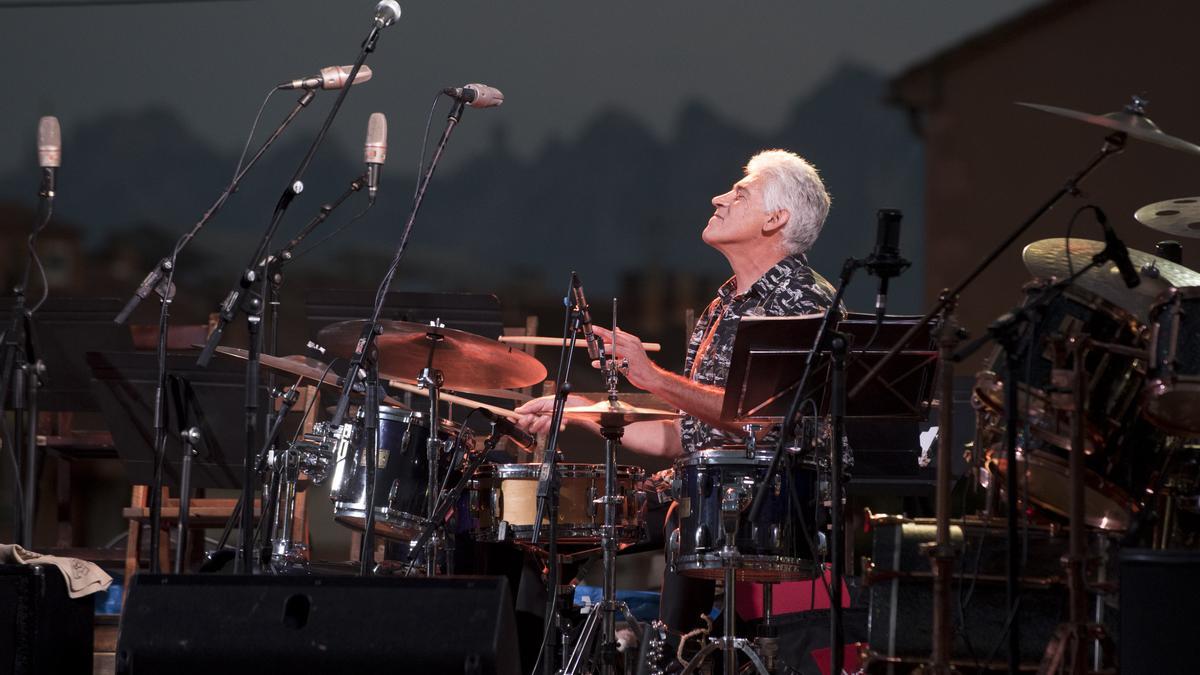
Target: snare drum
pixel 401 472
pixel 502 502
pixel 1173 393
pixel 772 548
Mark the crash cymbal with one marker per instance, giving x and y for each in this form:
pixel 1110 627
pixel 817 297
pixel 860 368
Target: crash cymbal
pixel 1180 217
pixel 580 343
pixel 1131 121
pixel 1048 258
pixel 300 366
pixel 466 360
pixel 616 413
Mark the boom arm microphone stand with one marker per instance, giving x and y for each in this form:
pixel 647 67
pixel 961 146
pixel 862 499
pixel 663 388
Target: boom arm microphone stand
pixel 249 299
pixel 365 353
pixel 161 280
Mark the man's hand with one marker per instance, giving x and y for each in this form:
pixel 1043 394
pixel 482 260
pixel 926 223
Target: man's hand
pixel 641 371
pixel 535 415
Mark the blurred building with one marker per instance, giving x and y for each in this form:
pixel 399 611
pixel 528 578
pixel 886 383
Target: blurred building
pixel 989 163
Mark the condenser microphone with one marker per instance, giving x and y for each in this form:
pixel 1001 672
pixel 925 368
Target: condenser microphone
pixel 331 77
pixel 476 95
pixel 49 145
pixel 1116 251
pixel 594 346
pixel 386 13
pixel 885 261
pixel 375 152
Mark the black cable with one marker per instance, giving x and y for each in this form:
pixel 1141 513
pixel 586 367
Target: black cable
pixel 336 231
pixel 313 399
pixel 425 143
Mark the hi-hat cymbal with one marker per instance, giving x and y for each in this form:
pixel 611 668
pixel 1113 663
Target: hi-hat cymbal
pixel 1048 258
pixel 1130 121
pixel 616 413
pixel 466 360
pixel 300 366
pixel 1180 217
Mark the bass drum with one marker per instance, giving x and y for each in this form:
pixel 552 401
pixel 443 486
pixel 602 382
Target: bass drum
pixel 776 547
pixel 1121 449
pixel 500 503
pixel 401 472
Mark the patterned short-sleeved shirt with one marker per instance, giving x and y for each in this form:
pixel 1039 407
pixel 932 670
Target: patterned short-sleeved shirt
pixel 790 288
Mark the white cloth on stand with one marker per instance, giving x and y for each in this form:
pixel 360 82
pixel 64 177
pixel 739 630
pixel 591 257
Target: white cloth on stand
pixel 83 577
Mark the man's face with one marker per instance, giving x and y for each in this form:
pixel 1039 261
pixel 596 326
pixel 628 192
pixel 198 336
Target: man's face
pixel 738 215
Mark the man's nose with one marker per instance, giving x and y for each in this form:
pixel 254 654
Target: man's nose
pixel 720 200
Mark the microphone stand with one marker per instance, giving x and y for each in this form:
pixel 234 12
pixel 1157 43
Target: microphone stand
pixel 366 344
pixel 161 280
pixel 548 479
pixel 249 299
pixel 22 372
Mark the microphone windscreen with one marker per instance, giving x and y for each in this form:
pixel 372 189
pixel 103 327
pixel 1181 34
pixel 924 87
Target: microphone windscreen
pixel 375 151
pixel 49 142
pixel 485 96
pixel 386 12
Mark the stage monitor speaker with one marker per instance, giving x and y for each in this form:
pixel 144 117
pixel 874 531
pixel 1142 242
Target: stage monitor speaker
pixel 1159 600
pixel 334 624
pixel 42 630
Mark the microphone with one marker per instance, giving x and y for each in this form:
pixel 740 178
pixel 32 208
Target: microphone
pixel 386 13
pixel 49 145
pixel 885 261
pixel 1116 251
pixel 594 346
pixel 331 77
pixel 505 426
pixel 476 95
pixel 375 152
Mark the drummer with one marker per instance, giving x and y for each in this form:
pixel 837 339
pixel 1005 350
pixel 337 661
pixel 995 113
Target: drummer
pixel 764 225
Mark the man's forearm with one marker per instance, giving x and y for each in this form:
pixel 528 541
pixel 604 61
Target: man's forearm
pixel 702 401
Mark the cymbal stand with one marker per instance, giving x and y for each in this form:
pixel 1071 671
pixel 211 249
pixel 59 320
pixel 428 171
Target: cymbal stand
pixel 604 617
pixel 1068 651
pixel 732 501
pixel 431 379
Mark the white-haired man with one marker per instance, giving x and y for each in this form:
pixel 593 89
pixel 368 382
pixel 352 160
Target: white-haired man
pixel 763 226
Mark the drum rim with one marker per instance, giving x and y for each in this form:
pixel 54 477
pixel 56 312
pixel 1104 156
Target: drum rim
pixel 725 455
pixel 518 470
pixel 1092 481
pixel 710 561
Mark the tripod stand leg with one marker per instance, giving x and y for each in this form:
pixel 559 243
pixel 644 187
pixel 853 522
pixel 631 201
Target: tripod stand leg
pixel 755 661
pixel 587 637
pixel 694 664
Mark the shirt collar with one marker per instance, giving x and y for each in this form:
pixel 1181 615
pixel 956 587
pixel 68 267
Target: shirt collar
pixel 767 281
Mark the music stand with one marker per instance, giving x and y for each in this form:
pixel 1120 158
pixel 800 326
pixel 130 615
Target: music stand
pixel 769 354
pixel 206 398
pixel 68 328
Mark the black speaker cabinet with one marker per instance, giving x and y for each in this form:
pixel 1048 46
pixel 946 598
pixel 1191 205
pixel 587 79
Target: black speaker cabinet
pixel 41 629
pixel 339 624
pixel 1160 600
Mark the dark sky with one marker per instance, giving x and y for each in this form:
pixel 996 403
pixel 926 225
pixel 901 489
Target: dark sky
pixel 558 61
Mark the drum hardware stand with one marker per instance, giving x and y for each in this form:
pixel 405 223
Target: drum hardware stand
pixel 1068 651
pixel 943 556
pixel 731 507
pixel 190 437
pixel 431 380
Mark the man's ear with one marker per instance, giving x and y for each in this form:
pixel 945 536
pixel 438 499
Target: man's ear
pixel 776 221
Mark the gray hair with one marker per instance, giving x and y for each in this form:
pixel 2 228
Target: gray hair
pixel 793 185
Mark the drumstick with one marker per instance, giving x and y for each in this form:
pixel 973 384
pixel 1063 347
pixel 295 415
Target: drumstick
pixel 557 342
pixel 454 399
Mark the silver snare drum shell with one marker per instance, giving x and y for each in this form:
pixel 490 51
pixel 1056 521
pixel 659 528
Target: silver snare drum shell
pixel 772 548
pixel 502 503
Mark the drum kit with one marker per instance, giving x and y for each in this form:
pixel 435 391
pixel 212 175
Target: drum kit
pixel 1096 364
